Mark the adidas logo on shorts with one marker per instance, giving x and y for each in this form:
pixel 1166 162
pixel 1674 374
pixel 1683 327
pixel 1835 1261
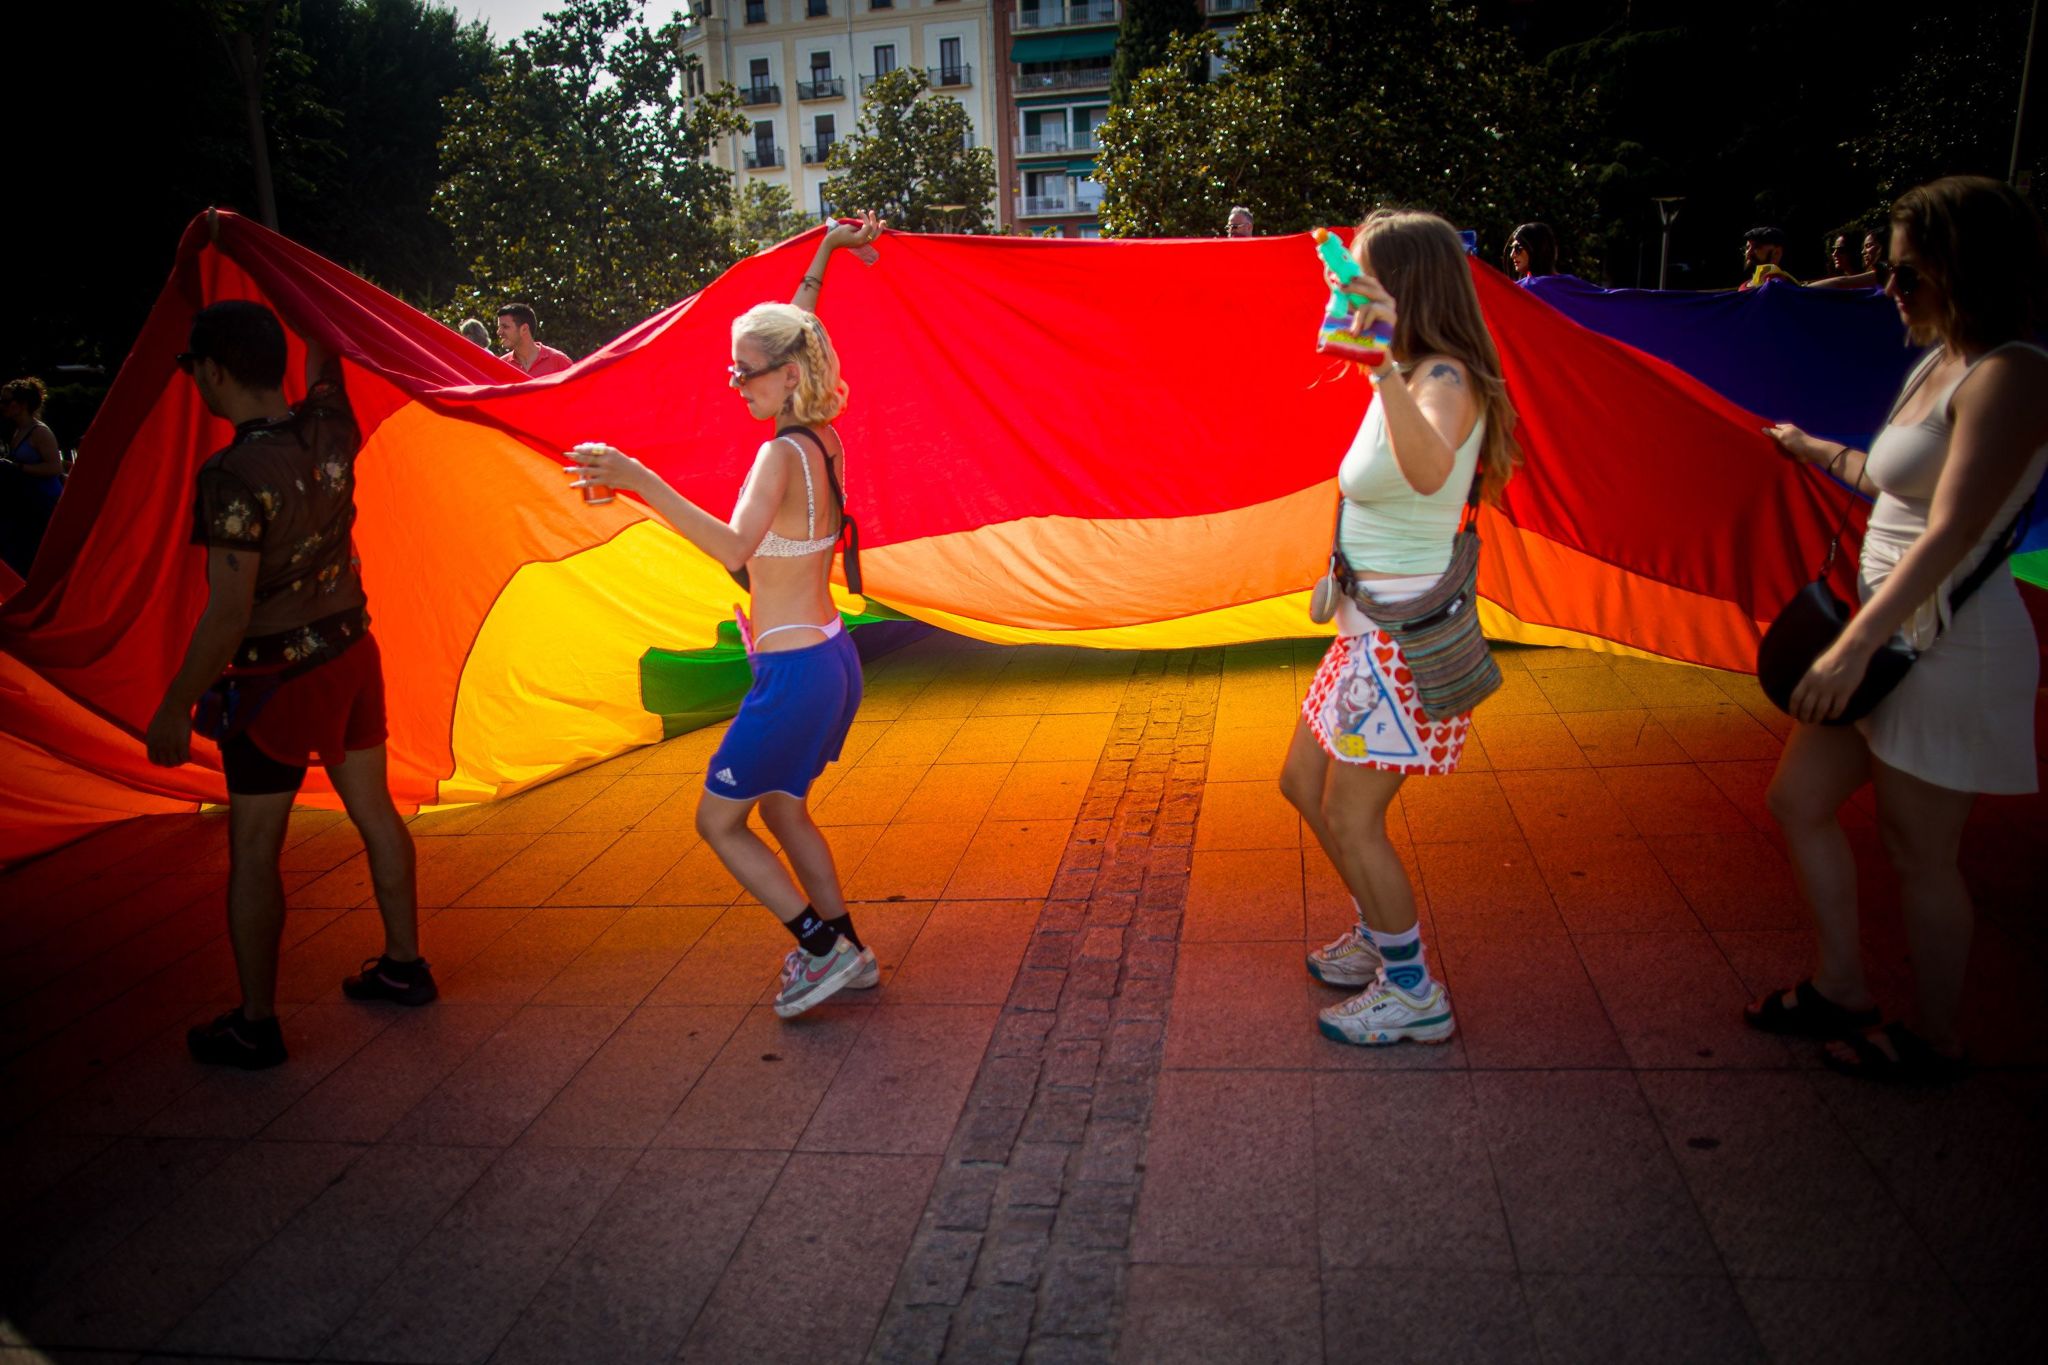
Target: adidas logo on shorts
pixel 725 775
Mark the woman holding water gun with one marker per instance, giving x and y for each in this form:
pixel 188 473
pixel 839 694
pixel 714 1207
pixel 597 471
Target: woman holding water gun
pixel 778 543
pixel 1439 427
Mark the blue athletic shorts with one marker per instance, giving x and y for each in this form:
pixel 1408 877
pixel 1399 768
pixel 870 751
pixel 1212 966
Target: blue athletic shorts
pixel 793 722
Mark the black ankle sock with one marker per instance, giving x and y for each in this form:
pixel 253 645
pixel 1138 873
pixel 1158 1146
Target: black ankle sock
pixel 814 935
pixel 844 924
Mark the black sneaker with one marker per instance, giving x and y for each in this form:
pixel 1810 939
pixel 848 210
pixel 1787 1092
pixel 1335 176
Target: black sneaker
pixel 406 983
pixel 231 1040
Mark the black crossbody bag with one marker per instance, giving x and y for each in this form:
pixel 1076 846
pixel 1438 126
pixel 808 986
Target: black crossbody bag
pixel 1807 626
pixel 1815 618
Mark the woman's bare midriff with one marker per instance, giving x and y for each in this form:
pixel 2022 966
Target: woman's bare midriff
pixel 789 592
pixel 793 592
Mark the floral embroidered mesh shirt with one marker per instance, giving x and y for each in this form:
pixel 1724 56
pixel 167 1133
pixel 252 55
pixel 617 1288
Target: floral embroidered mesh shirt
pixel 285 490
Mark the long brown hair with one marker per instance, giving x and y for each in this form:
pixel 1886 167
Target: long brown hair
pixel 1985 247
pixel 1422 263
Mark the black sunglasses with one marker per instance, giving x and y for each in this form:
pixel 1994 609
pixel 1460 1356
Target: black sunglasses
pixel 738 374
pixel 1906 278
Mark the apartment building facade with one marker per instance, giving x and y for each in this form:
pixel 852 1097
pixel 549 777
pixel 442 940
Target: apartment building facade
pixel 1055 94
pixel 802 68
pixel 1033 76
pixel 1052 96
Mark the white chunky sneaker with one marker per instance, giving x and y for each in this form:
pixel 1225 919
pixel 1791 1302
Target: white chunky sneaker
pixel 808 980
pixel 1350 961
pixel 1384 1013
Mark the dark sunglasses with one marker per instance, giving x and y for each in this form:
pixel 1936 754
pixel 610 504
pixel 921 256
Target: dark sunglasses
pixel 1905 278
pixel 738 374
pixel 1516 246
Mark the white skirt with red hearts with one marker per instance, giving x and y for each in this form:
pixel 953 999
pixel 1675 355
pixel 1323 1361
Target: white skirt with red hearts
pixel 1362 708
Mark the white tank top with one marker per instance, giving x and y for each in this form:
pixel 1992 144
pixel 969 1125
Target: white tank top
pixel 1905 465
pixel 1388 527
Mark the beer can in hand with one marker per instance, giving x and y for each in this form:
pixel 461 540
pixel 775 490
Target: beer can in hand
pixel 594 494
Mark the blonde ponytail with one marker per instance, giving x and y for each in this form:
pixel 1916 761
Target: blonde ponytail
pixel 788 333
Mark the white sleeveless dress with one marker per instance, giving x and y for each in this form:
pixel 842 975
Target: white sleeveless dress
pixel 1964 716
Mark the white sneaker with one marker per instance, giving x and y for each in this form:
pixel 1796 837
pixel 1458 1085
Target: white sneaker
pixel 1384 1013
pixel 808 980
pixel 1350 961
pixel 870 974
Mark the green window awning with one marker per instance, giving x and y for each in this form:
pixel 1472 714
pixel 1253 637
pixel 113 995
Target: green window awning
pixel 1064 47
pixel 1081 167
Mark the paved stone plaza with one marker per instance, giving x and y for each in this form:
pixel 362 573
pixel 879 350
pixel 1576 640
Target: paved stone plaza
pixel 1086 1117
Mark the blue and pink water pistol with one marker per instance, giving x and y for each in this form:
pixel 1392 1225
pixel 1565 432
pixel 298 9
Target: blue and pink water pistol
pixel 1334 336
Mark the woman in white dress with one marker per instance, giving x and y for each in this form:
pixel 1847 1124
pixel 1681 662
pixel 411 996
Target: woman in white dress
pixel 1959 457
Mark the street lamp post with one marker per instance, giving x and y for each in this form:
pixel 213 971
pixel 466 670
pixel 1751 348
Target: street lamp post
pixel 1667 214
pixel 2019 121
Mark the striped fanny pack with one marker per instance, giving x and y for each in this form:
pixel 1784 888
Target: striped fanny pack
pixel 1438 630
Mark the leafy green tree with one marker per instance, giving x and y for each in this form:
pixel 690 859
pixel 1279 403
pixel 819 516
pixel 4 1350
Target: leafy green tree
pixel 247 30
pixel 762 214
pixel 909 155
pixel 1143 34
pixel 576 177
pixel 1331 107
pixel 351 108
pixel 1828 120
pixel 385 67
pixel 1955 117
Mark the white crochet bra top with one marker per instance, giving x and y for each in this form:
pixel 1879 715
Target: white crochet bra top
pixel 773 546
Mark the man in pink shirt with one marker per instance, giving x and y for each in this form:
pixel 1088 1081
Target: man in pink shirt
pixel 515 330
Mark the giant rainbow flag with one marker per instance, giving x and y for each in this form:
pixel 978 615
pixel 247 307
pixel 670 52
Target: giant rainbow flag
pixel 1829 361
pixel 1111 444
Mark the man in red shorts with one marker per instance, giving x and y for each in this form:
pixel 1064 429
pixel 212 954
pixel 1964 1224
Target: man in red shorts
pixel 282 665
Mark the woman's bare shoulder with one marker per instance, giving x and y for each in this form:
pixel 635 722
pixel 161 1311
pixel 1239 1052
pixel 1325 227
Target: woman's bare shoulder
pixel 1439 369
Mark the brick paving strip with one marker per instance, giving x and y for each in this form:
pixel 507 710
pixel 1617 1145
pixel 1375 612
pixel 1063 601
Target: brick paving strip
pixel 1022 1251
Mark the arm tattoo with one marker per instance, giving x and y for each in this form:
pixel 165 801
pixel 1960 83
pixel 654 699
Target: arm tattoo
pixel 1445 372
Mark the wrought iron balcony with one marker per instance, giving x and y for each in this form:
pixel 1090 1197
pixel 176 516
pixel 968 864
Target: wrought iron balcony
pixel 1070 15
pixel 944 76
pixel 764 158
pixel 1046 144
pixel 827 88
pixel 1067 78
pixel 760 94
